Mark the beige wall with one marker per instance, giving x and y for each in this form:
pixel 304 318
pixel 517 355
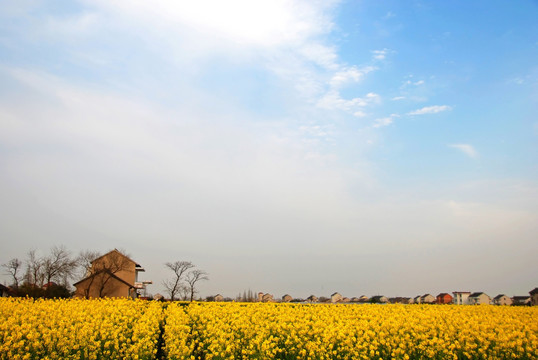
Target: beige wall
pixel 102 285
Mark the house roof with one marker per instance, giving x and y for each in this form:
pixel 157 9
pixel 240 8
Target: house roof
pixel 534 291
pixel 498 296
pixel 521 297
pixel 119 252
pixel 444 294
pixel 461 292
pixel 476 294
pixel 104 271
pixel 336 294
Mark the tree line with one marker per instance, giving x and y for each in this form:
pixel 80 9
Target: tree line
pixel 51 275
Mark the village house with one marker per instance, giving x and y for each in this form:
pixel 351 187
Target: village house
pixel 534 296
pixel 4 291
pixel 312 299
pixel 461 297
pixel 265 297
pixel 218 298
pixel 417 299
pixel 443 298
pixel 427 299
pixel 379 299
pixel 479 298
pixel 287 298
pixel 502 299
pixel 111 275
pixel 521 300
pixel 336 297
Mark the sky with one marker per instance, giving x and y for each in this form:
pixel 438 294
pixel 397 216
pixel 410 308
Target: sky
pixel 301 147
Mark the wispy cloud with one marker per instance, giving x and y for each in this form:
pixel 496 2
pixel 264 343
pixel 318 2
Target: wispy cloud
pixel 467 149
pixel 430 110
pixel 396 98
pixel 386 121
pixel 349 75
pixel 380 54
pixel 333 101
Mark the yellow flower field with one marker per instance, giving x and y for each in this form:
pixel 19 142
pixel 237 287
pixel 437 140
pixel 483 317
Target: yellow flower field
pixel 132 329
pixel 78 329
pixel 286 331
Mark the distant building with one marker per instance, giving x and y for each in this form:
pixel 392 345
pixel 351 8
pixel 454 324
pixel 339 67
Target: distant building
pixel 218 298
pixel 4 291
pixel 287 298
pixel 345 300
pixel 417 299
pixel 444 298
pixel 379 299
pixel 312 299
pixel 521 300
pixel 427 299
pixel 502 299
pixel 479 298
pixel 364 299
pixel 265 297
pixel 534 296
pixel 336 297
pixel 461 297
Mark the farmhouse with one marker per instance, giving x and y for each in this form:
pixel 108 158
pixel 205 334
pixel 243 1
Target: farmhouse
pixel 479 298
pixel 502 299
pixel 111 275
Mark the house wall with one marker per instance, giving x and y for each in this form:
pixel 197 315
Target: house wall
pixel 503 300
pixel 111 288
pixel 461 298
pixel 428 299
pixel 480 299
pixel 534 299
pixel 127 272
pixel 336 297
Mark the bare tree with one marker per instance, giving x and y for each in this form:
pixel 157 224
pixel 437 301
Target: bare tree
pixel 84 262
pixel 34 270
pixel 13 267
pixel 59 266
pixel 192 278
pixel 174 286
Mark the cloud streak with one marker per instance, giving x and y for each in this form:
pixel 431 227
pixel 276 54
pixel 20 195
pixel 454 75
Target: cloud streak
pixel 430 110
pixel 467 149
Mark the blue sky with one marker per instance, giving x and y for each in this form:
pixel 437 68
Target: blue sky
pixel 297 147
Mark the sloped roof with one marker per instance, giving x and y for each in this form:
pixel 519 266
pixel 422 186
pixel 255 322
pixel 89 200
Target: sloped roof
pixel 477 294
pixel 107 272
pixel 118 252
pixel 534 291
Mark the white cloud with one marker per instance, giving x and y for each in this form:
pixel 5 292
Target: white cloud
pixel 333 101
pixel 380 54
pixel 262 23
pixel 384 121
pixel 396 98
pixel 348 75
pixel 467 149
pixel 430 110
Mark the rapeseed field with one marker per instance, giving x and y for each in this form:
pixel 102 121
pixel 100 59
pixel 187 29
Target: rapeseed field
pixel 132 329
